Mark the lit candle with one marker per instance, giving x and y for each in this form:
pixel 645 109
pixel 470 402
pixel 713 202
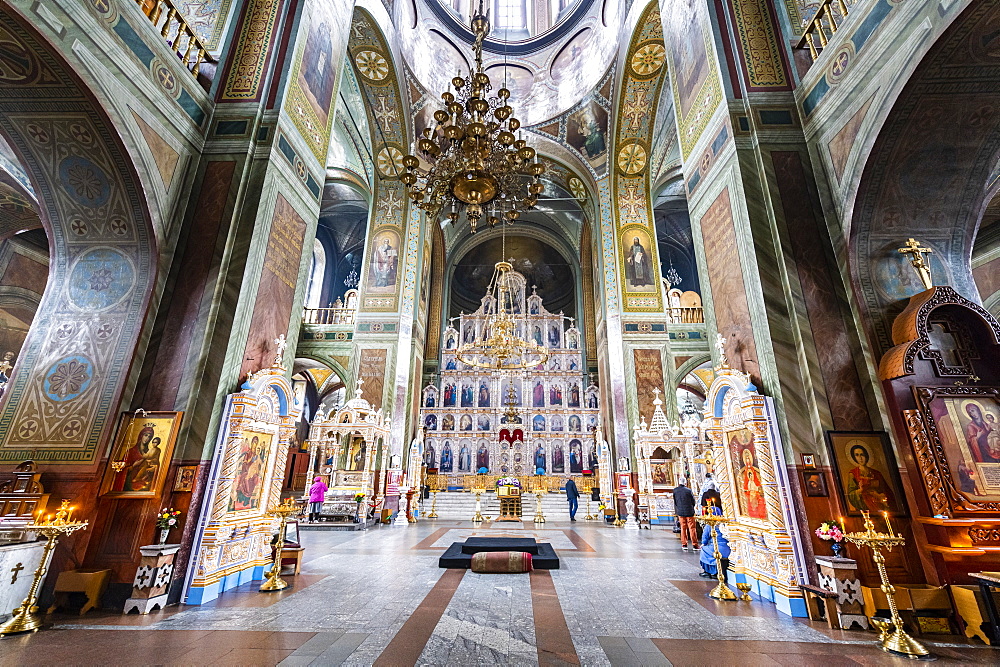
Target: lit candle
pixel 887 524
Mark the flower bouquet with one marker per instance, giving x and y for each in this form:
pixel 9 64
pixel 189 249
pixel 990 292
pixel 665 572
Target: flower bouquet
pixel 166 519
pixel 832 532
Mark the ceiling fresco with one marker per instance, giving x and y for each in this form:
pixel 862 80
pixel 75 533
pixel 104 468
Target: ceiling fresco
pixel 547 77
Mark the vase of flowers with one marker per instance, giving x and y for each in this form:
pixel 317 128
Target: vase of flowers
pixel 166 519
pixel 832 532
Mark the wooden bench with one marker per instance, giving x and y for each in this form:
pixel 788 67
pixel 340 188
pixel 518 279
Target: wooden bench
pixel 292 556
pixel 90 582
pixel 821 605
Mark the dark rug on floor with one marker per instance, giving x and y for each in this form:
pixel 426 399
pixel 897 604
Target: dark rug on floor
pixel 459 554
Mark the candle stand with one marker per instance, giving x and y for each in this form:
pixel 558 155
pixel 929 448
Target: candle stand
pixel 589 517
pixel 25 618
pixel 433 514
pixel 897 641
pixel 274 582
pixel 478 516
pixel 722 591
pixel 539 517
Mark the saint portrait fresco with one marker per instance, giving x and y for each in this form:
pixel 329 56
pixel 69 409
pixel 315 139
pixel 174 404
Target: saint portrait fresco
pixel 384 262
pixel 968 425
pixel 639 263
pixel 251 468
pixel 144 444
pixel 749 483
pixel 866 473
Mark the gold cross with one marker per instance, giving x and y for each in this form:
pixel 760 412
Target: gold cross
pixel 918 261
pixel 16 570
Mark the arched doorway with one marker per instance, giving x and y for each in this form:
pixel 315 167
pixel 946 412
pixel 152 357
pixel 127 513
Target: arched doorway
pixel 77 353
pixel 60 406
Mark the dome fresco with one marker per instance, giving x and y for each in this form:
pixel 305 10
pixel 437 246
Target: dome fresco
pixel 548 73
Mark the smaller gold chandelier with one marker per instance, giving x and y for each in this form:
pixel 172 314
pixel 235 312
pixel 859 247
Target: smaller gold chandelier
pixel 477 165
pixel 499 347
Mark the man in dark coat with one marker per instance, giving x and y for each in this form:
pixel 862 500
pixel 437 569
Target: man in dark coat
pixel 684 508
pixel 573 496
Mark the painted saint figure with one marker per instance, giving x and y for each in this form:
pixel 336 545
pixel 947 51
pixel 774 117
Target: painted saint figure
pixel 249 473
pixel 483 457
pixel 977 435
pixel 558 460
pixel 446 462
pixel 575 456
pixel 464 460
pixel 384 264
pixel 133 456
pixel 540 458
pixel 574 396
pixel 449 395
pixel 538 395
pixel 638 268
pixel 484 395
pixel 867 489
pixel 752 486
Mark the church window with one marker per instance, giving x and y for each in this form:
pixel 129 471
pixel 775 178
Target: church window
pixel 316 274
pixel 511 14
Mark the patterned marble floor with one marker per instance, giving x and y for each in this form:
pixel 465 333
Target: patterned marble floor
pixel 378 597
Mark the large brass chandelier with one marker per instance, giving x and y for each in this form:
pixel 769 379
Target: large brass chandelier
pixel 498 346
pixel 477 165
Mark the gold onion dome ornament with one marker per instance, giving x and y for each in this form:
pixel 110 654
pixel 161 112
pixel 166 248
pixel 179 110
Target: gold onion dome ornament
pixel 498 347
pixel 477 165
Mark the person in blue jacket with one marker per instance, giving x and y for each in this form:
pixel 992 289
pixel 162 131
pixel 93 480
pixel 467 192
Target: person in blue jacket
pixel 707 557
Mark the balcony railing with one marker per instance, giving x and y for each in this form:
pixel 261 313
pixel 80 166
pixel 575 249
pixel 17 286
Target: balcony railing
pixel 176 33
pixel 328 316
pixel 824 25
pixel 688 315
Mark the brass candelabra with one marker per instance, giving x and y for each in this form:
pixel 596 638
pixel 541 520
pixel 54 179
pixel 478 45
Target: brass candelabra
pixel 274 582
pixel 897 641
pixel 539 517
pixel 589 517
pixel 478 516
pixel 433 514
pixel 25 617
pixel 722 591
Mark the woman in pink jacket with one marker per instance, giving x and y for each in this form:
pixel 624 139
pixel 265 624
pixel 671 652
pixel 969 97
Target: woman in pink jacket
pixel 316 495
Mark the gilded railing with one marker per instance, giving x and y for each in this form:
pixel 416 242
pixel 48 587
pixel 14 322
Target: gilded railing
pixel 686 315
pixel 176 32
pixel 529 483
pixel 328 316
pixel 824 25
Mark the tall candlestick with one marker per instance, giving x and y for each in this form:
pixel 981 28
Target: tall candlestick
pixel 885 515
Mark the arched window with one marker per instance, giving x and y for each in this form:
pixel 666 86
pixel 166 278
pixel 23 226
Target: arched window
pixel 316 274
pixel 511 14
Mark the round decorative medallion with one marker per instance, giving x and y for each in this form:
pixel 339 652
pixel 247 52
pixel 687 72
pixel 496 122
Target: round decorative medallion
pixel 84 181
pixel 17 64
pixel 577 188
pixel 372 65
pixel 390 162
pixel 164 77
pixel 841 62
pixel 68 378
pixel 100 278
pixel 632 158
pixel 648 59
